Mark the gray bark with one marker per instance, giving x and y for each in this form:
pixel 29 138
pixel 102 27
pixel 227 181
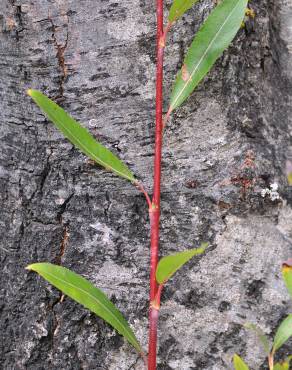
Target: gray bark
pixel 230 140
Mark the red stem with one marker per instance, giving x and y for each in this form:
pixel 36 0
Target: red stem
pixel 142 189
pixel 271 360
pixel 156 302
pixel 153 323
pixel 155 210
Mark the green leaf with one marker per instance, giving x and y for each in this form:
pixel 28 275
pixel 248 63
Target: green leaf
pixel 168 265
pixel 80 137
pixel 281 366
pixel 239 364
pixel 82 291
pixel 211 40
pixel 178 8
pixel 261 336
pixel 283 333
pixel 287 274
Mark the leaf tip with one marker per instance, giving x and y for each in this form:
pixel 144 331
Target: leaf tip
pixel 29 92
pixel 29 267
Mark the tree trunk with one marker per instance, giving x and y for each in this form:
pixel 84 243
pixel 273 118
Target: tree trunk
pixel 228 142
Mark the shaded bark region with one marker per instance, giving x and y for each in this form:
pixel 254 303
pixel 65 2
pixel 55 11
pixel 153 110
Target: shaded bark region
pixel 231 139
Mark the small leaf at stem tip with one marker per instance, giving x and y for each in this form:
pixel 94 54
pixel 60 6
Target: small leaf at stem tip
pixel 283 333
pixel 287 274
pixel 80 137
pixel 179 7
pixel 261 336
pixel 239 364
pixel 85 293
pixel 212 39
pixel 168 265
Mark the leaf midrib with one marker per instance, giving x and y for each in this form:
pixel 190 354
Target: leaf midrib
pixel 95 299
pixel 200 61
pixel 88 151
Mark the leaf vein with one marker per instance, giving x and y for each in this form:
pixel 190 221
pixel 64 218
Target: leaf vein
pixel 92 154
pixel 95 299
pixel 203 56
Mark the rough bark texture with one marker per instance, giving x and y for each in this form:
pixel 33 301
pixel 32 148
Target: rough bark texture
pixel 231 139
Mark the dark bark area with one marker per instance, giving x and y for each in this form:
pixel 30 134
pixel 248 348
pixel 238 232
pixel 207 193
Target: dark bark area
pixel 230 140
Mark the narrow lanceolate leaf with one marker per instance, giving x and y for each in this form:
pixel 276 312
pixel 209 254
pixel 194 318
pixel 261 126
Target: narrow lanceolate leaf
pixel 168 265
pixel 239 364
pixel 211 40
pixel 80 137
pixel 283 333
pixel 82 291
pixel 178 8
pixel 287 274
pixel 261 336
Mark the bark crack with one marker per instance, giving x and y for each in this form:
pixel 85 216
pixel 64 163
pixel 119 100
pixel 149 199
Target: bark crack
pixel 63 244
pixel 60 49
pixel 15 24
pixel 108 205
pixel 65 235
pixel 58 261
